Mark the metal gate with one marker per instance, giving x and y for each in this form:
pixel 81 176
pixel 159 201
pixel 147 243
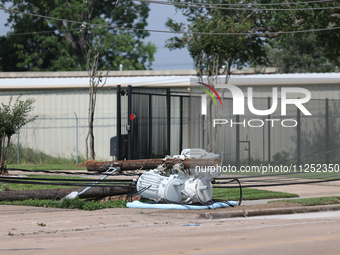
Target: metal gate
pixel 153 121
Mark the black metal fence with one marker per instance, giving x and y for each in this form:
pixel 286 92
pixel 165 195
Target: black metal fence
pixel 157 120
pixel 315 138
pixel 161 122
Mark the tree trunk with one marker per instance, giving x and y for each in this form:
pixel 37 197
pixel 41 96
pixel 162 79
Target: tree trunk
pixel 87 146
pixel 2 155
pixel 92 135
pixel 13 195
pixel 6 154
pixel 89 120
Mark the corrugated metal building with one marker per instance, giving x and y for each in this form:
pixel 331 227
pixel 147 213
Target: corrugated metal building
pixel 62 98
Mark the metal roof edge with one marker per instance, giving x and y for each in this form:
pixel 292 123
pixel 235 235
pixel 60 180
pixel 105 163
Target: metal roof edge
pixel 67 74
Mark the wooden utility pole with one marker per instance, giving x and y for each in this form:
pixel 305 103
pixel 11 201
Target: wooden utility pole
pixel 146 164
pixel 13 195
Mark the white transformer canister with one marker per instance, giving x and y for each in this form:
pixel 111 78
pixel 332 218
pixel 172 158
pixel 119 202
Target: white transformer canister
pixel 162 187
pixel 200 190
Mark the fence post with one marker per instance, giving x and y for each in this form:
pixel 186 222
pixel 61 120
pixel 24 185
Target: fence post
pixel 18 149
pixel 264 142
pixel 76 138
pixel 119 122
pixel 298 137
pixel 168 109
pixel 327 132
pixel 129 122
pixel 237 142
pixel 180 123
pixel 269 156
pixel 199 131
pixel 150 126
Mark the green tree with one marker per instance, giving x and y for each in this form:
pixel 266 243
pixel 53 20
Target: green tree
pixel 300 54
pixel 97 81
pixel 8 56
pixel 255 18
pixel 215 54
pixel 12 118
pixel 64 46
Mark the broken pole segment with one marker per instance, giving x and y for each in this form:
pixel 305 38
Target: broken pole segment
pixel 146 164
pixel 13 195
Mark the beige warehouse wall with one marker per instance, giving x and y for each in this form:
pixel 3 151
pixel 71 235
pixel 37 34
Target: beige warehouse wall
pixel 54 132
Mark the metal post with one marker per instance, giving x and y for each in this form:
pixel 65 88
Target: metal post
pixel 168 109
pixel 129 154
pixel 199 131
pixel 249 154
pixel 119 122
pixel 237 142
pixel 77 158
pixel 18 149
pixel 203 120
pixel 298 137
pixel 327 132
pixel 264 142
pixel 269 156
pixel 150 126
pixel 180 124
pixel 248 142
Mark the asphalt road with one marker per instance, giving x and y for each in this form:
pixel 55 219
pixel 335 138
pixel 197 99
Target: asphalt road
pixel 135 231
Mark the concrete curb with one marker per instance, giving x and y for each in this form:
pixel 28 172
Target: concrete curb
pixel 269 211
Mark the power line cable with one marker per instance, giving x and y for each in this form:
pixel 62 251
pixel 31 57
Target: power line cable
pixel 40 32
pixel 194 5
pixel 249 4
pixel 167 31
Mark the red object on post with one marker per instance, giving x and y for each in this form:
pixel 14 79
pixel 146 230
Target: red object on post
pixel 132 116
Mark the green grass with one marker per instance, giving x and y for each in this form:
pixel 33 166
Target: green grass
pixel 313 201
pixel 15 186
pixel 249 194
pixel 36 160
pixel 46 166
pixel 76 203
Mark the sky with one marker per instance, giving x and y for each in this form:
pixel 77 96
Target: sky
pixel 164 58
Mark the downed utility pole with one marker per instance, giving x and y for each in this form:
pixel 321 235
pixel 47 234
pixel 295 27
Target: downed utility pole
pixel 13 195
pixel 109 171
pixel 147 164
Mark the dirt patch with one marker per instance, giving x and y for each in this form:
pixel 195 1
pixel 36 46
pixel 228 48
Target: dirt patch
pixel 121 197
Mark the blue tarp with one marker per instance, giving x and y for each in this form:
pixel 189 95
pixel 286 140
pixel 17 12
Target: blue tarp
pixel 141 205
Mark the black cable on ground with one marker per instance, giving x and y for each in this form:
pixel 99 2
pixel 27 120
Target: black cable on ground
pixel 271 185
pixel 269 175
pixel 55 179
pixel 66 172
pixel 136 193
pixel 239 185
pixel 65 184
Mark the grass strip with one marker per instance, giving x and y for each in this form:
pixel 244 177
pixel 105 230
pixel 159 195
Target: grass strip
pixel 16 186
pixel 312 201
pixel 77 203
pixel 47 166
pixel 249 194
